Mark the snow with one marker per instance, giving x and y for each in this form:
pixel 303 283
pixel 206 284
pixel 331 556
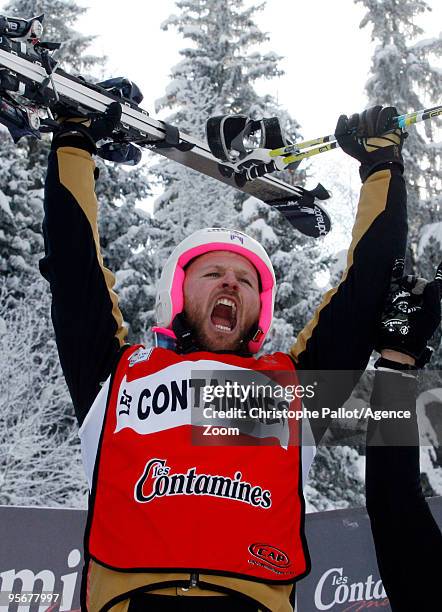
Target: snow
pixel 266 233
pixel 338 266
pixel 385 53
pixel 122 276
pixel 189 30
pixel 429 439
pixel 250 209
pixel 428 232
pixel 426 42
pixel 360 467
pixel 171 20
pixel 4 204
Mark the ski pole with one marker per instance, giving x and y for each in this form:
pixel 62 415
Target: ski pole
pixel 416 117
pixel 297 157
pixel 401 121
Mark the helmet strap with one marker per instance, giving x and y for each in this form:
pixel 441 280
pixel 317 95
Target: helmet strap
pixel 185 341
pixel 254 334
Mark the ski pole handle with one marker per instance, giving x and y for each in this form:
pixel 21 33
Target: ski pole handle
pixel 400 121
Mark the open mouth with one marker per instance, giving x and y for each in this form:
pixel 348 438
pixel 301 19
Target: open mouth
pixel 223 315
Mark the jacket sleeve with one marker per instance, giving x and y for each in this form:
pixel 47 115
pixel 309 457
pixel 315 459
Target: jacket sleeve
pixel 87 321
pixel 341 334
pixel 407 539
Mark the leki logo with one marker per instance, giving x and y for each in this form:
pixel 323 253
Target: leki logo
pixel 234 236
pixel 269 554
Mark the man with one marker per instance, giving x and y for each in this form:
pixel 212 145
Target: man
pixel 149 528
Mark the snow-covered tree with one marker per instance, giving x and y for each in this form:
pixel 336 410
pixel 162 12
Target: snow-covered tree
pixel 40 460
pixel 21 215
pixel 38 395
pixel 60 17
pixel 123 226
pixel 406 73
pixel 22 168
pixel 335 480
pixel 217 76
pixel 125 231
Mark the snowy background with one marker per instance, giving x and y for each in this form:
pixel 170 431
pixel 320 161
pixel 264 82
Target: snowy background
pixel 193 59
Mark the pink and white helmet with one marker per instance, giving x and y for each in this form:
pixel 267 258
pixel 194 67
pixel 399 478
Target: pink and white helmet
pixel 170 297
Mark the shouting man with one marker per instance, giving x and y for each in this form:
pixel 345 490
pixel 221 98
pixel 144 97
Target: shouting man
pixel 186 547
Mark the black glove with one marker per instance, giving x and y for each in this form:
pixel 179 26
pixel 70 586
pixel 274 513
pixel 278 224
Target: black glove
pixel 370 138
pixel 411 316
pixel 85 132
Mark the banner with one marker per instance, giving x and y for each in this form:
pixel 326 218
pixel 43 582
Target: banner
pixel 41 561
pixel 344 576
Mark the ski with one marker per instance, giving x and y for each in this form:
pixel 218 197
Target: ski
pixel 32 85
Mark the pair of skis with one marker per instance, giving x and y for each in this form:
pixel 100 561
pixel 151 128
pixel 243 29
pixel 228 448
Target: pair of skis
pixel 33 87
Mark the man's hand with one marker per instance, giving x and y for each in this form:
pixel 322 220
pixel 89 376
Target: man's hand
pixel 370 138
pixel 88 130
pixel 410 318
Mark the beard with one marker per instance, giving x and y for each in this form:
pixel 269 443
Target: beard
pixel 212 340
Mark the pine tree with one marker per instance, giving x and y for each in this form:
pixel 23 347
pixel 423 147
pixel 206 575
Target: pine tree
pixel 60 17
pixel 23 166
pixel 404 74
pixel 21 215
pixel 334 480
pixel 125 231
pixel 123 226
pixel 125 234
pixel 216 76
pixel 40 462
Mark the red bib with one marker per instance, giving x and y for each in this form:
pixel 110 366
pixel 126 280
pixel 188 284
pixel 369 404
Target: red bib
pixel 163 499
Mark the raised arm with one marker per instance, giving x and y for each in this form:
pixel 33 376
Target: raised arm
pixel 88 324
pixel 340 336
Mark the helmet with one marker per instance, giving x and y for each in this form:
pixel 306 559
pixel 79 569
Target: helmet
pixel 170 298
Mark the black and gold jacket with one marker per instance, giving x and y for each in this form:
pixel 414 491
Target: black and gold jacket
pixel 90 332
